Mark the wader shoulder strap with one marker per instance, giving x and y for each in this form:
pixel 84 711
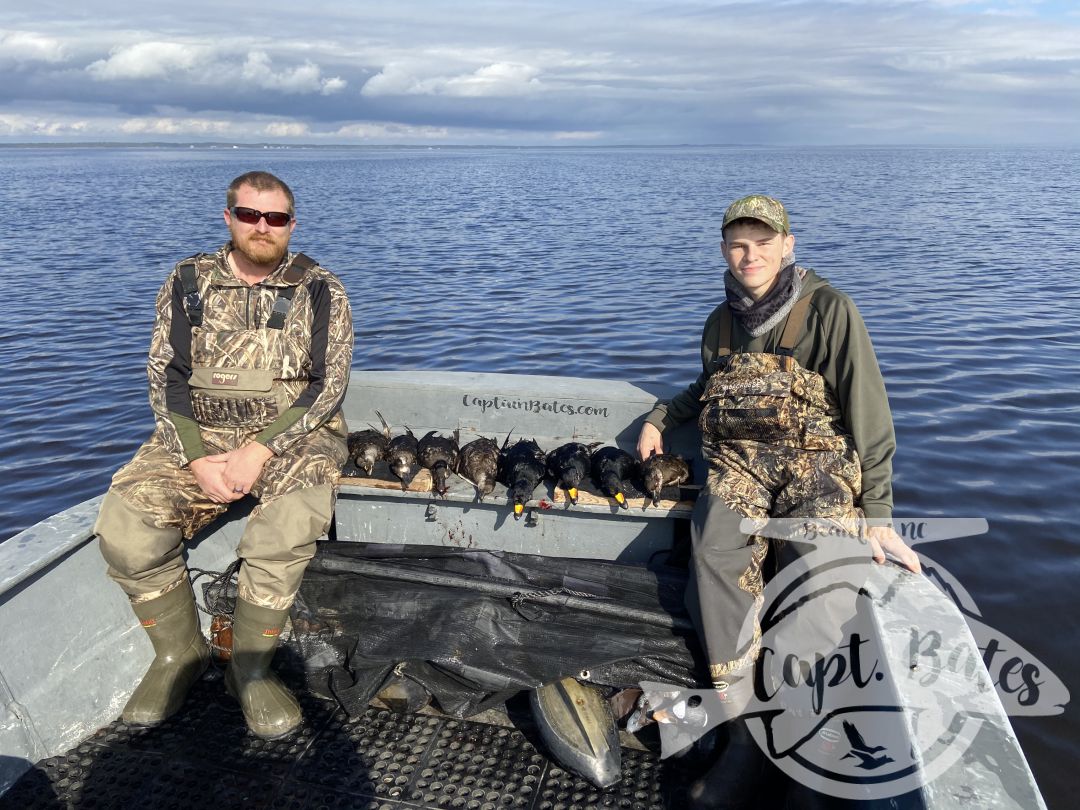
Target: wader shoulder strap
pixel 727 323
pixel 796 322
pixel 293 275
pixel 193 304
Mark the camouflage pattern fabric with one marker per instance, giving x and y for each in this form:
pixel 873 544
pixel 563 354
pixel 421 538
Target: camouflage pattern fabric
pixel 769 399
pixel 244 382
pixel 233 339
pixel 169 498
pixel 773 451
pixel 760 207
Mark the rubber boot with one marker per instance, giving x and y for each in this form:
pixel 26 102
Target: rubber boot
pixel 734 780
pixel 180 657
pixel 269 708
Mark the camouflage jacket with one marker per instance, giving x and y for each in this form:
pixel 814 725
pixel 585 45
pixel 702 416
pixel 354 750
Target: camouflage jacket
pixel 302 370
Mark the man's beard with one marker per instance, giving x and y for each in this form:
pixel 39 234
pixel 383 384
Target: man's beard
pixel 262 250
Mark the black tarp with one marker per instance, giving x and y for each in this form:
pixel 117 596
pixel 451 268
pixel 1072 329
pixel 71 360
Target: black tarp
pixel 474 627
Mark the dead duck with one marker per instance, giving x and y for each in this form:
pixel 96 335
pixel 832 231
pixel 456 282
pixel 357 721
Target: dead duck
pixel 568 466
pixel 521 468
pixel 612 470
pixel 369 446
pixel 401 457
pixel 663 470
pixel 478 461
pixel 438 454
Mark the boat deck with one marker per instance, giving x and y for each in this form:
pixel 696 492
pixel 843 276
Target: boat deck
pixel 382 760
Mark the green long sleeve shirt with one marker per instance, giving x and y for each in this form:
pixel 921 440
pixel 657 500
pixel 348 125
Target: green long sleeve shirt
pixel 837 346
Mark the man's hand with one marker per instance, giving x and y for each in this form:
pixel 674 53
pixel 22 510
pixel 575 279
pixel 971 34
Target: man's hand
pixel 884 538
pixel 208 472
pixel 649 441
pixel 244 465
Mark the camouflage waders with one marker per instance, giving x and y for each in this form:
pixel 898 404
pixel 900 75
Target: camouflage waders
pixel 250 362
pixel 773 451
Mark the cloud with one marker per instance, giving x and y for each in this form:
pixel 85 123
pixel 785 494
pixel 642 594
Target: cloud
pixel 493 80
pixel 577 136
pixel 286 129
pixel 305 78
pixel 149 60
pixel 608 71
pixel 177 126
pixel 28 46
pixel 24 126
pixel 184 62
pixel 385 131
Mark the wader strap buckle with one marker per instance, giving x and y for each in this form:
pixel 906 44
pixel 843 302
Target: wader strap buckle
pixel 193 304
pixel 293 275
pixel 281 308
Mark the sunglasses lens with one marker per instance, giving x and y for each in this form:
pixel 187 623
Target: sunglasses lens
pixel 249 216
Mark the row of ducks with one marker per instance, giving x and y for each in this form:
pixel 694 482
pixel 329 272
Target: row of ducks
pixel 520 467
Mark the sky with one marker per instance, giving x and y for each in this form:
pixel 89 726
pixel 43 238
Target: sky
pixel 591 72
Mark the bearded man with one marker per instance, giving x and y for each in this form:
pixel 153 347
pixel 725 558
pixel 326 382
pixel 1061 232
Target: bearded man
pixel 248 366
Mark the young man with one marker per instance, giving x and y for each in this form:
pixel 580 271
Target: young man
pixel 795 423
pixel 249 362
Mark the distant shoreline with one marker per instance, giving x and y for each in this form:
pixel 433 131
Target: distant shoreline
pixel 227 145
pixel 360 146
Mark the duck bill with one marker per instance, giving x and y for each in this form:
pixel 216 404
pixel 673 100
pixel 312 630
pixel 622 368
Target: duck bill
pixel 571 493
pixel 518 509
pixel 621 499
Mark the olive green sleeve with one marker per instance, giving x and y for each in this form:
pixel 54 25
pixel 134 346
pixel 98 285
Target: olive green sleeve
pixel 168 368
pixel 849 365
pixel 687 404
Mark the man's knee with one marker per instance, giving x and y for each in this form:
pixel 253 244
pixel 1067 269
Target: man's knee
pixel 130 541
pixel 715 526
pixel 279 541
pixel 290 522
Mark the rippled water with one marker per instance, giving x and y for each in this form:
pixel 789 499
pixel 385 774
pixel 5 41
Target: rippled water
pixel 602 262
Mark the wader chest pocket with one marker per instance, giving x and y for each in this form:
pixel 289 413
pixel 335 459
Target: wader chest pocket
pixel 752 407
pixel 233 397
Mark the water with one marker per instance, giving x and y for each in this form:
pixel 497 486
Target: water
pixel 601 263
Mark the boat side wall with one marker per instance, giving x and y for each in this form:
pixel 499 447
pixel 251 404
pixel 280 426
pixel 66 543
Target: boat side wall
pixel 71 650
pixel 552 410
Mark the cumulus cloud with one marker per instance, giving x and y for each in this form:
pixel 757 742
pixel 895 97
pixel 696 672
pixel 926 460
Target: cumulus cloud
pixel 148 60
pixel 498 79
pixel 207 65
pixel 29 46
pixel 305 78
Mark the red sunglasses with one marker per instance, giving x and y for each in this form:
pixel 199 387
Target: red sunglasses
pixel 249 216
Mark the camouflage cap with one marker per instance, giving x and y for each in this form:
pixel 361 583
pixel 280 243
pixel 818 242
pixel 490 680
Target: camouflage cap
pixel 764 209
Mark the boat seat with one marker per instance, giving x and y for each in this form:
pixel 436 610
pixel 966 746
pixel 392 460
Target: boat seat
pixel 551 410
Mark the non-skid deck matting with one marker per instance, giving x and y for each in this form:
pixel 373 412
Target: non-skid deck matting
pixel 204 757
